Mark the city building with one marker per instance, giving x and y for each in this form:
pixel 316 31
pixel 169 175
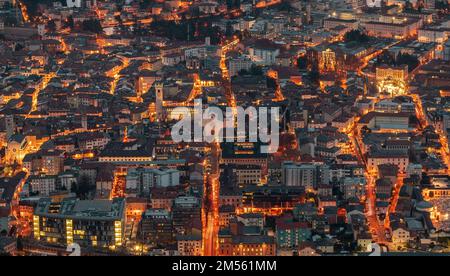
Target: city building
pixel 16 149
pixel 353 187
pixel 303 175
pixel 399 28
pixel 42 185
pixel 189 245
pixel 399 73
pixel 236 65
pixel 291 234
pixel 143 180
pixel 247 246
pixel 8 246
pixel 90 223
pixel 156 227
pixel 186 212
pixel 397 158
pixel 383 121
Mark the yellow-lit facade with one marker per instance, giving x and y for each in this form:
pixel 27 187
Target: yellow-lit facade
pixel 327 61
pixel 118 233
pixel 36 230
pixel 397 73
pixel 69 231
pixel 55 222
pixel 391 80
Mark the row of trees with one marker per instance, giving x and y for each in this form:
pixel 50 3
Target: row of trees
pixel 82 188
pixel 356 36
pixel 233 4
pixel 443 5
pixel 90 25
pixel 253 71
pixel 33 6
pixel 187 30
pixel 401 59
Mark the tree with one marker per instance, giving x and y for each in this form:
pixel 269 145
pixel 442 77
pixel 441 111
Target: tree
pixel 119 7
pixel 32 6
pixel 119 20
pixel 73 187
pixel 356 36
pixel 314 76
pixel 195 12
pixel 172 30
pixel 137 28
pixel 205 29
pixel 19 243
pixel 230 4
pixel 271 83
pixel 237 4
pixel 256 70
pixel 285 6
pixel 246 34
pixel 93 25
pixel 18 47
pixel 69 23
pixel 407 59
pixel 243 72
pixel 425 179
pixel 229 30
pixel 83 187
pixel 51 26
pixel 302 63
pixel 385 58
pixel 409 6
pixel 401 59
pixel 420 7
pixel 442 5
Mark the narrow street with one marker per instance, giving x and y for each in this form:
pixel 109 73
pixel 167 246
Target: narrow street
pixel 24 11
pixel 211 203
pixel 371 214
pixel 116 75
pixel 210 211
pixel 46 79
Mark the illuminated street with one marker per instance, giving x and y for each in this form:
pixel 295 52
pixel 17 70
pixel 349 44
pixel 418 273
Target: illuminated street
pixel 105 129
pixel 211 197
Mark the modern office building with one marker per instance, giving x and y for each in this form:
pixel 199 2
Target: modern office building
pixel 96 223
